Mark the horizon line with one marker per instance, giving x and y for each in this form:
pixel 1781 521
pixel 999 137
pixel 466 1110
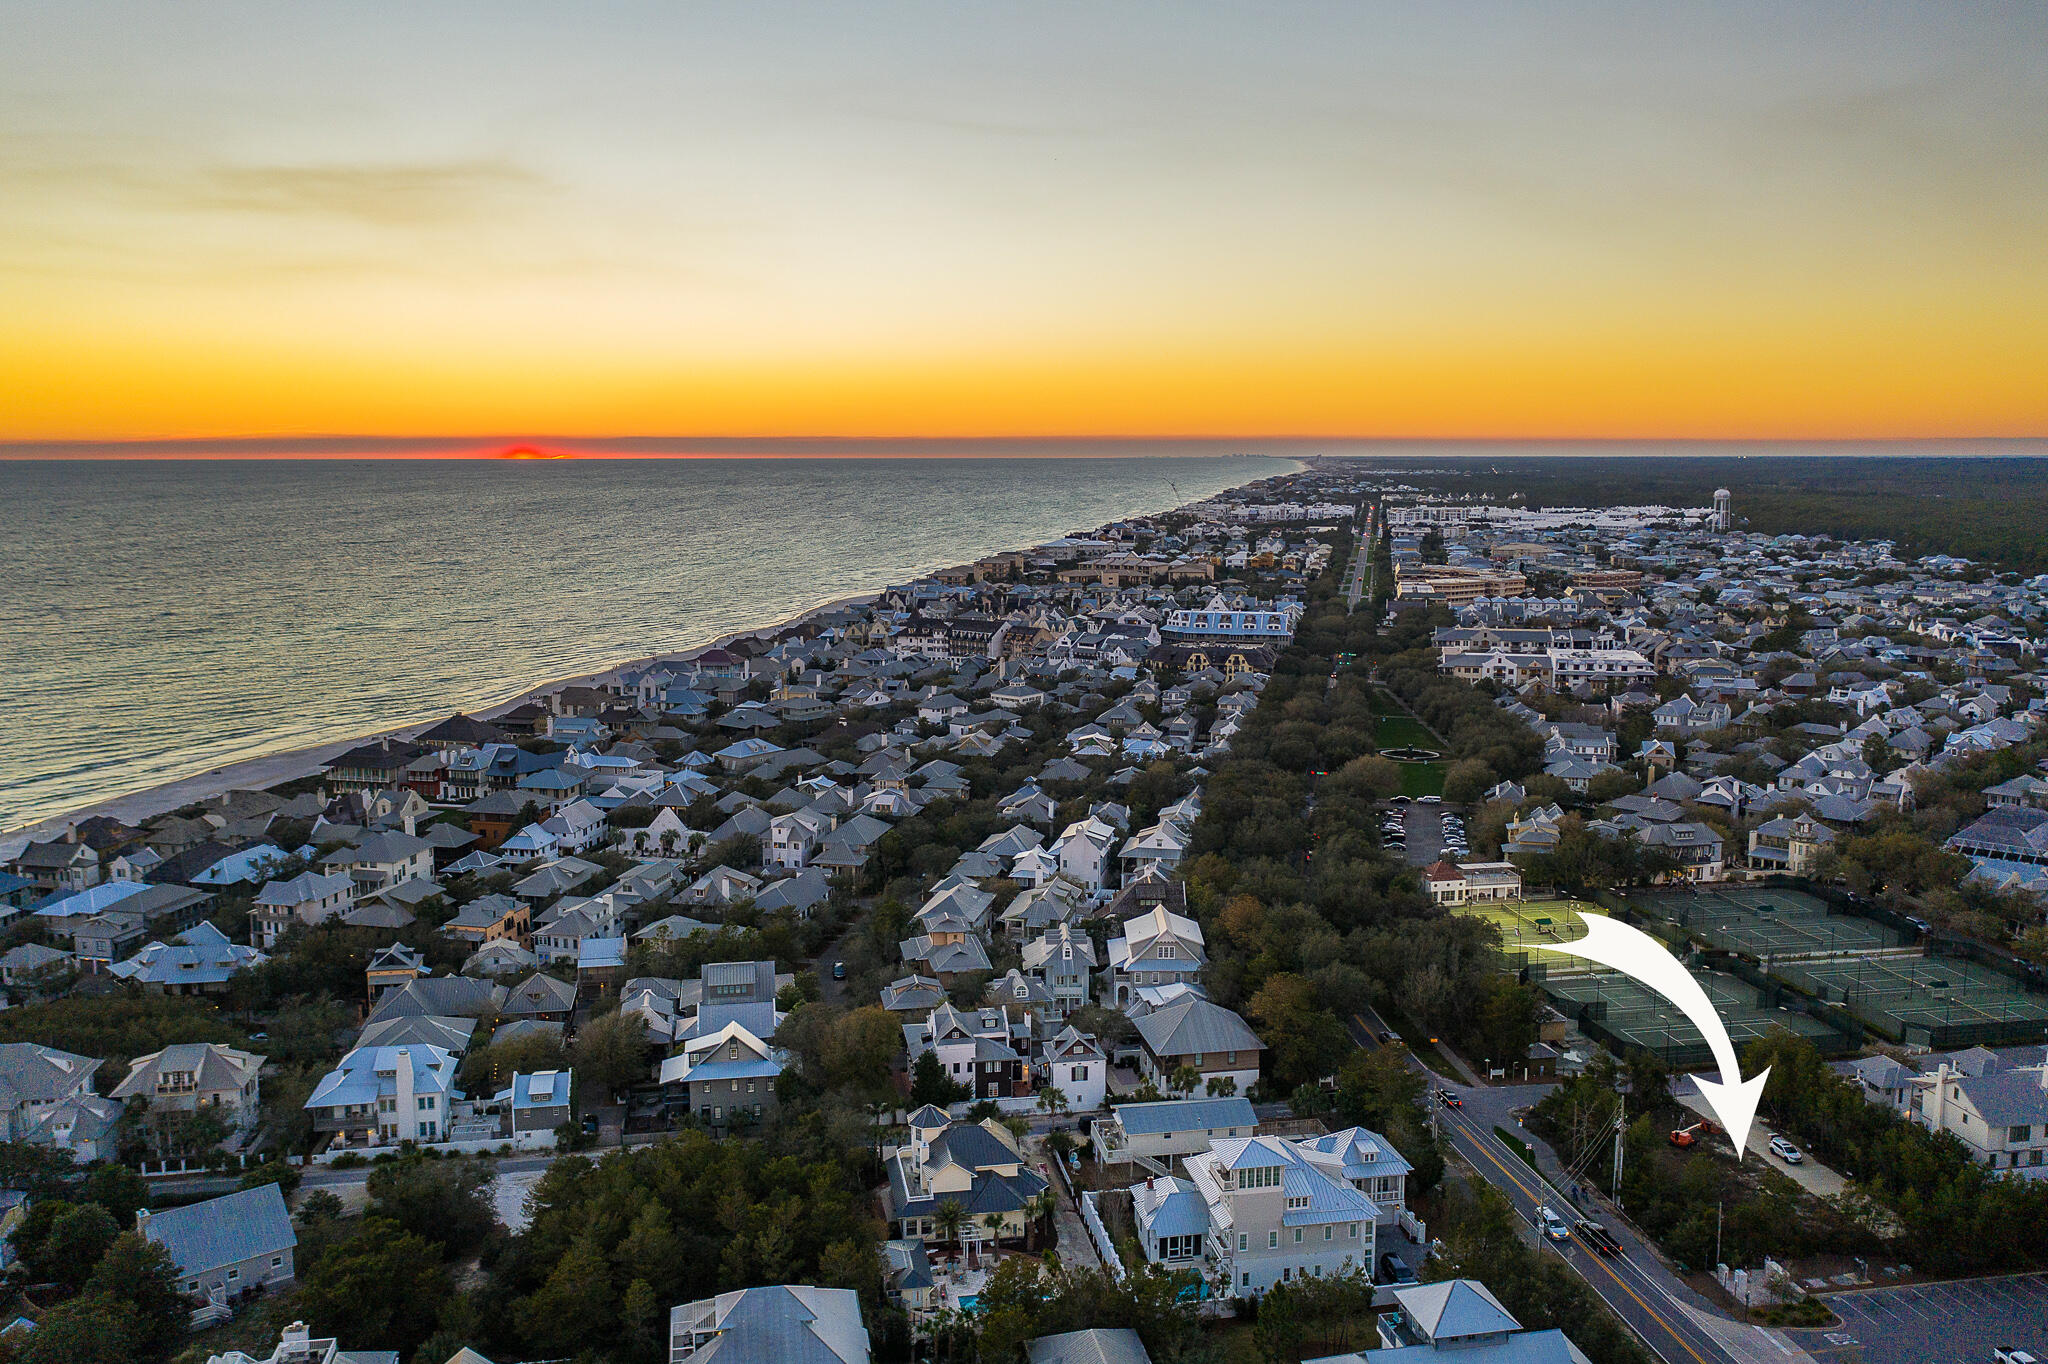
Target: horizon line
pixel 569 448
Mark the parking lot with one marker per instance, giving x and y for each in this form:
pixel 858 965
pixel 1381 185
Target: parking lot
pixel 1943 1323
pixel 1422 826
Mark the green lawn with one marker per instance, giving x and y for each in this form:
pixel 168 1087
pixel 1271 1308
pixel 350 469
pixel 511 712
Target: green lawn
pixel 1422 779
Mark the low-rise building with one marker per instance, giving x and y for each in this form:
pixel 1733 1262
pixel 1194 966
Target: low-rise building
pixel 787 1323
pixel 226 1246
pixel 194 1077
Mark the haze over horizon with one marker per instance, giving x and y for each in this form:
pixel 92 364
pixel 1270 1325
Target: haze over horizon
pixel 911 221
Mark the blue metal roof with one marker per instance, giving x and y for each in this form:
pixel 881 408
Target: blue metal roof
pixel 1187 1115
pixel 224 1231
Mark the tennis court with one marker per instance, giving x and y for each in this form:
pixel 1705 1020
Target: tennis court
pixel 1635 1016
pixel 1529 923
pixel 1952 999
pixel 1766 921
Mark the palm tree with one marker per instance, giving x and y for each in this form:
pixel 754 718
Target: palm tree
pixel 1184 1079
pixel 1052 1099
pixel 949 1218
pixel 1222 1086
pixel 994 1222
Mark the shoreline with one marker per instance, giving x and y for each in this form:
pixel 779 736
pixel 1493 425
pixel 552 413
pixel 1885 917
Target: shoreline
pixel 271 769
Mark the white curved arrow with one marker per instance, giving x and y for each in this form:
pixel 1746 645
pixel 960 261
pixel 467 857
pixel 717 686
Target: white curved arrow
pixel 1636 954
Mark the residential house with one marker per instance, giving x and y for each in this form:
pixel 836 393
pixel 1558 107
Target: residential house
pixel 1279 1210
pixel 1075 1064
pixel 380 1096
pixel 1171 1129
pixel 979 1166
pixel 1063 959
pixel 197 1077
pixel 1459 1321
pixel 226 1246
pixel 35 1080
pixel 787 1323
pixel 1157 947
pixel 1194 1034
pixel 310 898
pixel 535 1104
pixel 726 1078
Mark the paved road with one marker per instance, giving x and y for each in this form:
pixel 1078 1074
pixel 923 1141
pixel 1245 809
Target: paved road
pixel 1672 1320
pixel 830 990
pixel 1938 1323
pixel 1631 1284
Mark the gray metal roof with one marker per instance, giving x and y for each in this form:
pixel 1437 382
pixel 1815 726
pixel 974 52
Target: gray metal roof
pixel 223 1231
pixel 1097 1345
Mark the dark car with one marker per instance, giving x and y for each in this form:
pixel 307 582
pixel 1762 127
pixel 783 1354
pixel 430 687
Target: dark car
pixel 1600 1238
pixel 1448 1099
pixel 839 970
pixel 590 1124
pixel 1393 1271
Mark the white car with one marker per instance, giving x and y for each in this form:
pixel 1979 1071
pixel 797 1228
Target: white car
pixel 1786 1151
pixel 1553 1226
pixel 1431 800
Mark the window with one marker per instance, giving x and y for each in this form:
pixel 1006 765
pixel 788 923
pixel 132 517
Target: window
pixel 2019 1134
pixel 1327 1232
pixel 425 1103
pixel 1272 1240
pixel 277 1262
pixel 1241 1241
pixel 234 1274
pixel 750 1086
pixel 1297 1202
pixel 735 1086
pixel 1259 1177
pixel 1354 1231
pixel 1297 1236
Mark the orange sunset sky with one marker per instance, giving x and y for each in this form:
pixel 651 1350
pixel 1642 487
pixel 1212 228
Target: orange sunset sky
pixel 1544 220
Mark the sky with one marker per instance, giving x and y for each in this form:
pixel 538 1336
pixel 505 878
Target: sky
pixel 761 219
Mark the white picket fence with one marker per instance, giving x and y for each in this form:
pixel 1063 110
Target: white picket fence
pixel 1091 1217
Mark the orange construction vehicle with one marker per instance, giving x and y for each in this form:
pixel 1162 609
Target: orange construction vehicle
pixel 1685 1138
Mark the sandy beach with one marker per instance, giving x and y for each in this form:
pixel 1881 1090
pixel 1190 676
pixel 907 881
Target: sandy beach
pixel 255 774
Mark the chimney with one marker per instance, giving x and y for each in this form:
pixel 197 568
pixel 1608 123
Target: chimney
pixel 71 833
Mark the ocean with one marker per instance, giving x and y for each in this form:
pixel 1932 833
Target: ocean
pixel 160 619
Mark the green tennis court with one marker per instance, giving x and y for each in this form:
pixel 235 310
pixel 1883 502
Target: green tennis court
pixel 1765 921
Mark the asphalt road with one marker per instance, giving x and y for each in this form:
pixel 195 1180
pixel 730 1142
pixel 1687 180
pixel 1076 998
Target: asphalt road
pixel 1632 1285
pixel 1636 1286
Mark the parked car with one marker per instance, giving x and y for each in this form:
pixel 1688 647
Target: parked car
pixel 2006 1354
pixel 1393 1270
pixel 839 970
pixel 1431 800
pixel 1786 1151
pixel 1551 1224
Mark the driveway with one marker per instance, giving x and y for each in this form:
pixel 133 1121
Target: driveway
pixel 1809 1174
pixel 1938 1323
pixel 830 990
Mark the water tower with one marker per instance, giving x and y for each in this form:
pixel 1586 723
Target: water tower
pixel 1724 519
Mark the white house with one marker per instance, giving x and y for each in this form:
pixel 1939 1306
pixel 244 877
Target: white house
pixel 1276 1211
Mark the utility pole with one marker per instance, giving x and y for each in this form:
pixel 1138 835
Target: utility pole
pixel 1719 1205
pixel 1620 1127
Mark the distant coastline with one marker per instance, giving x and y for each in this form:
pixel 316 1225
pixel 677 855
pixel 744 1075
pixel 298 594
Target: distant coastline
pixel 558 446
pixel 151 798
pixel 272 768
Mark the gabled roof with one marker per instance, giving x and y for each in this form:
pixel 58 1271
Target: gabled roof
pixel 222 1231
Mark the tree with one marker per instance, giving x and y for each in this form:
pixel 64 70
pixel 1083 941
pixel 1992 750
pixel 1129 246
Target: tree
pixel 571 1309
pixel 79 1234
pixel 1222 1086
pixel 382 1284
pixel 1304 1041
pixel 118 1189
pixel 949 1217
pixel 438 1200
pixel 1184 1079
pixel 1467 781
pixel 611 1053
pixel 929 1083
pixel 85 1330
pixel 1052 1099
pixel 139 1273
